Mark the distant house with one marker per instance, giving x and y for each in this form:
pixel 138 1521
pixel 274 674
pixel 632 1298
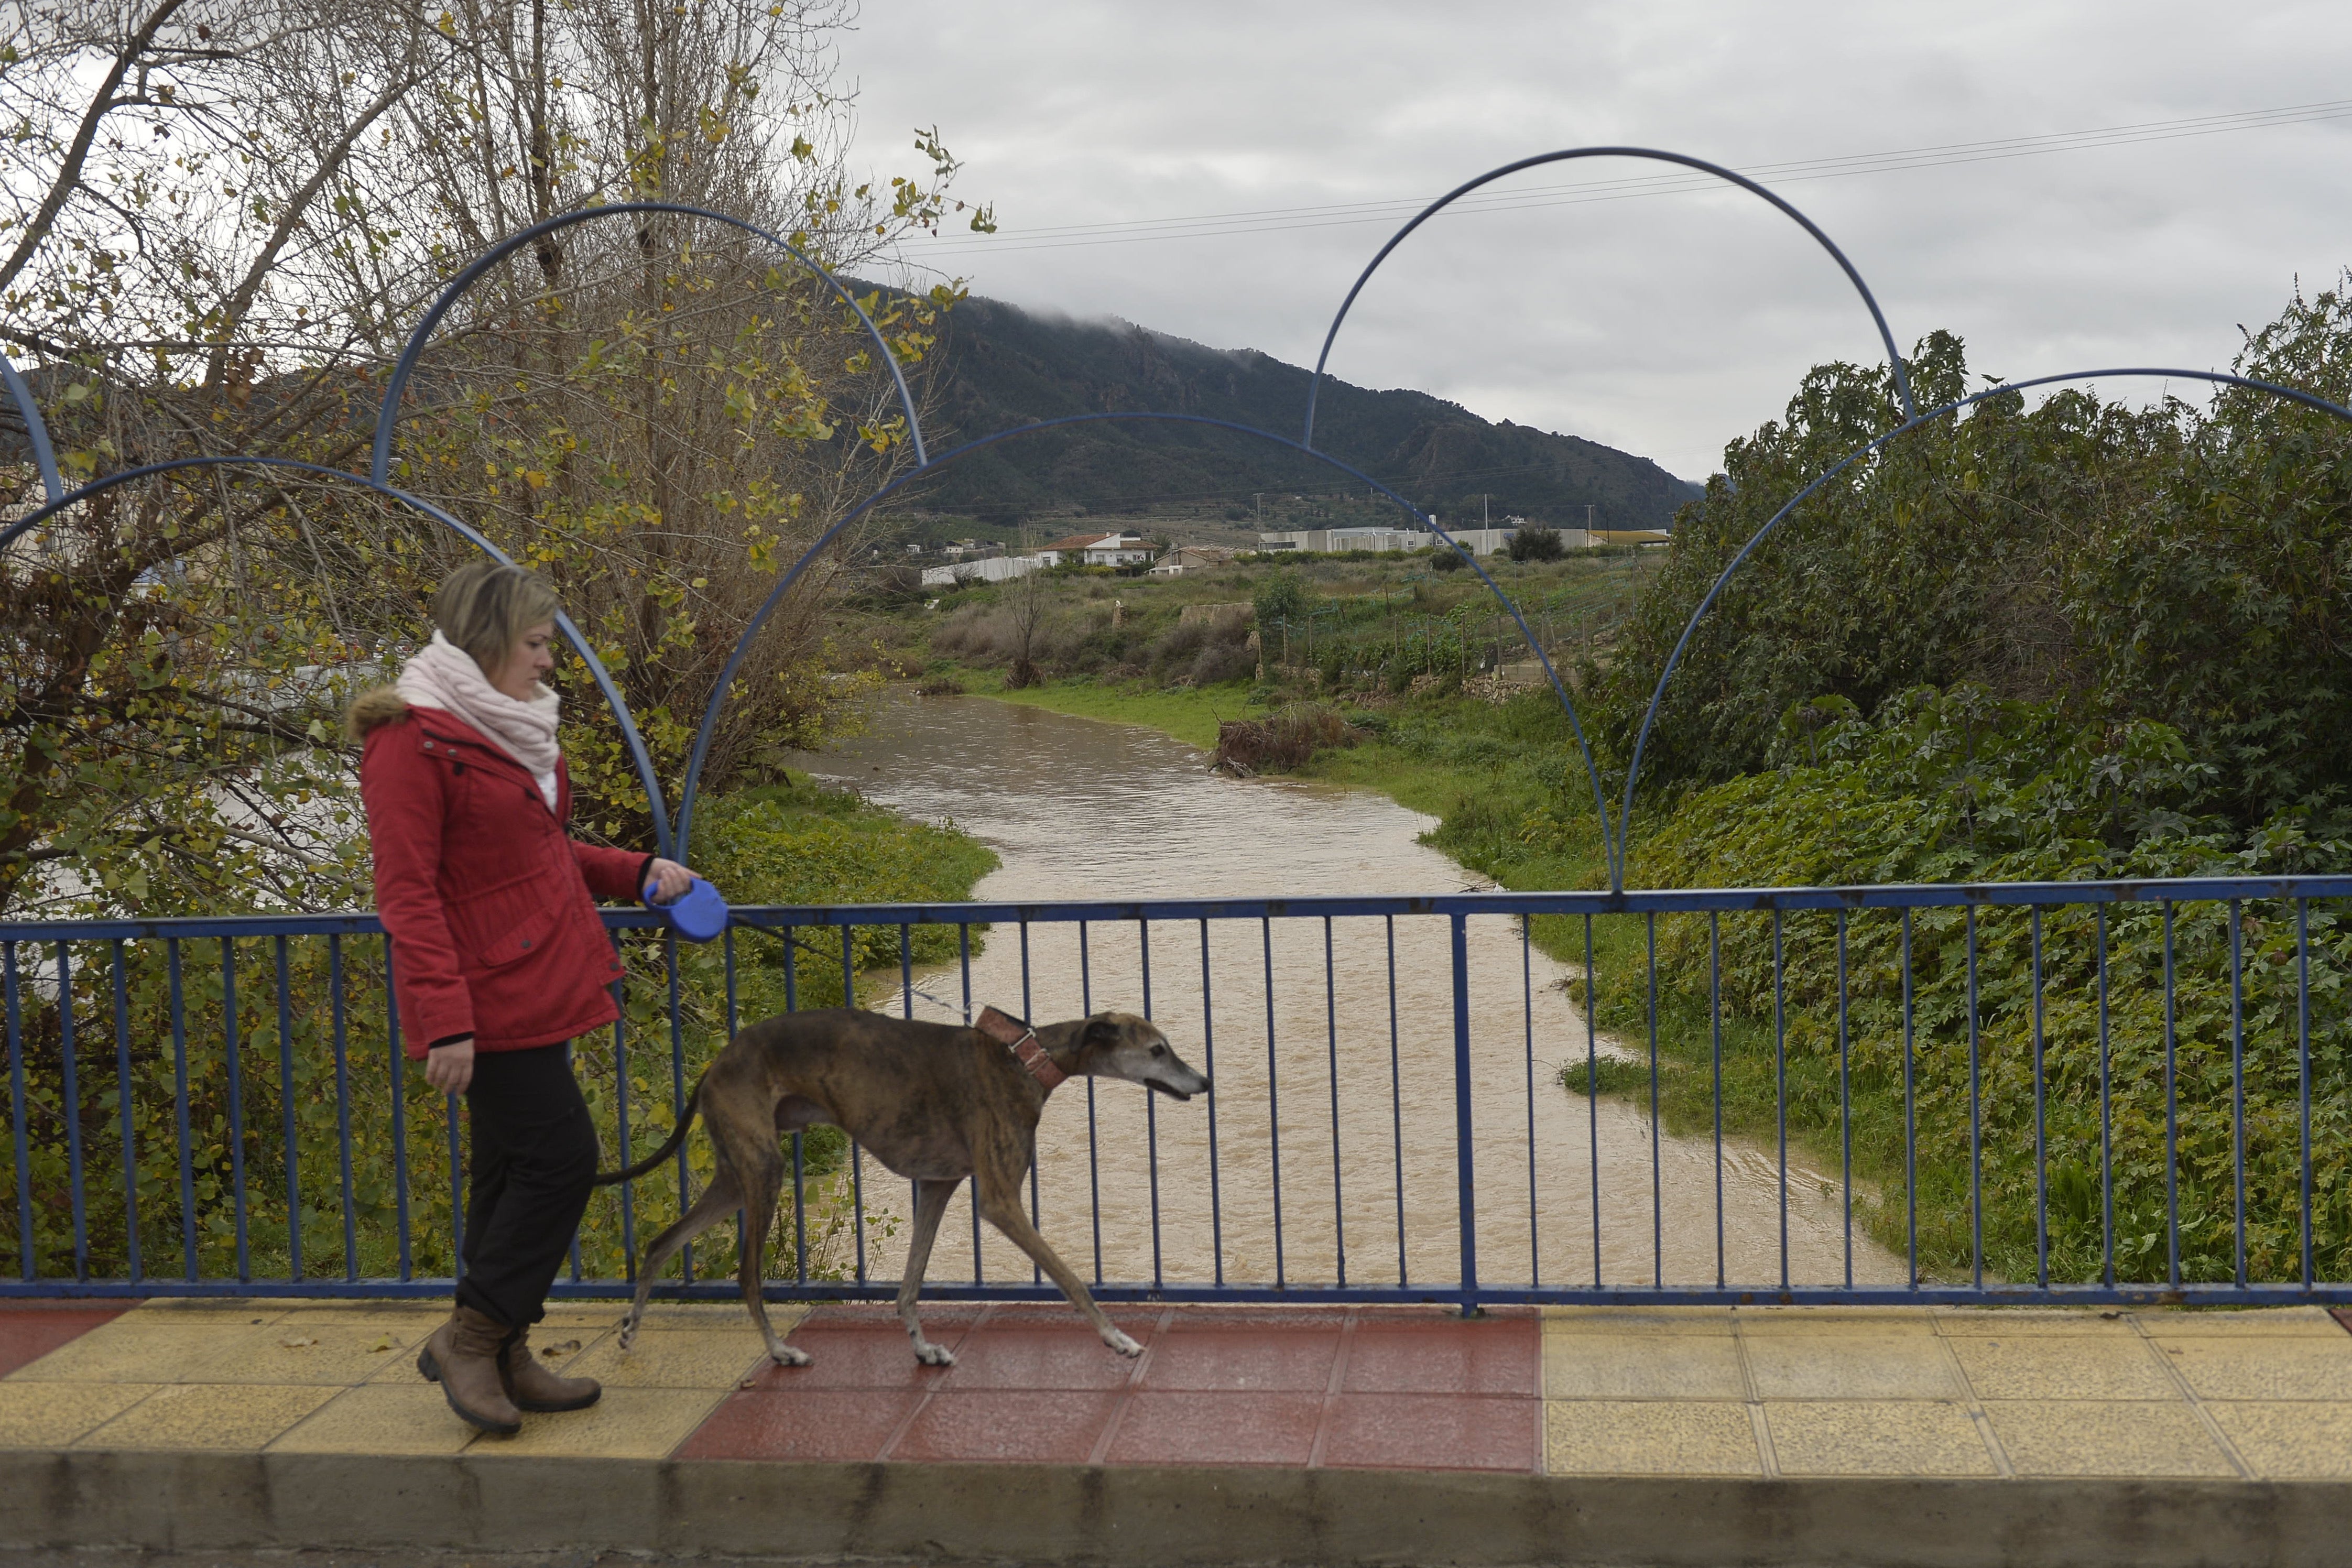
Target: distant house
pixel 1097 550
pixel 1119 550
pixel 1190 558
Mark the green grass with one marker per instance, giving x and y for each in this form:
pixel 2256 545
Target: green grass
pixel 1190 715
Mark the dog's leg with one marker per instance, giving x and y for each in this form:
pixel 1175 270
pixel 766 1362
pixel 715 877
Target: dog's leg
pixel 766 1186
pixel 1003 1211
pixel 931 1202
pixel 718 1200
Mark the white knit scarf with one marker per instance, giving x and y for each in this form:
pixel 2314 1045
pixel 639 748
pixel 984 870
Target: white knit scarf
pixel 444 676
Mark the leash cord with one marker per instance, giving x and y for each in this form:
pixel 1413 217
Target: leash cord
pixel 943 1005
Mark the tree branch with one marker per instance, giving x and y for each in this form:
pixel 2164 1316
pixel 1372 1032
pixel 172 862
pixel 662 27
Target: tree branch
pixel 102 102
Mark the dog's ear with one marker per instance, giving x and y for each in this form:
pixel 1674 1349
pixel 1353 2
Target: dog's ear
pixel 1101 1032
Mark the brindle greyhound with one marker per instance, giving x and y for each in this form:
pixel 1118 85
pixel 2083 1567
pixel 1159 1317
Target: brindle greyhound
pixel 933 1102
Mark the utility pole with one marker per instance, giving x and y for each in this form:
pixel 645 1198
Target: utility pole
pixel 1484 520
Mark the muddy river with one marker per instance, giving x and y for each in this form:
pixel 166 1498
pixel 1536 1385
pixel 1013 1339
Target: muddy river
pixel 1327 1150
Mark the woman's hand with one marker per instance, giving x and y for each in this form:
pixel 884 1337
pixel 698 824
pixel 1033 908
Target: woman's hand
pixel 670 880
pixel 450 1068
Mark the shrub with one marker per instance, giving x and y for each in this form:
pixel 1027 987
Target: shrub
pixel 1533 544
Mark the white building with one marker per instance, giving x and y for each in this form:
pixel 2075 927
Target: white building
pixel 1097 550
pixel 987 569
pixel 1331 539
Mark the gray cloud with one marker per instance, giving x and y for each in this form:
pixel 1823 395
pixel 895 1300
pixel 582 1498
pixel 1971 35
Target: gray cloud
pixel 1666 324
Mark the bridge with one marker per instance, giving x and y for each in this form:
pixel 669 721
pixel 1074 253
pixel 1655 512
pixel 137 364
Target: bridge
pixel 2008 1170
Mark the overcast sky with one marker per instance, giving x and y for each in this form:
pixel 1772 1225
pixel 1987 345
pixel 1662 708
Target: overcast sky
pixel 1666 324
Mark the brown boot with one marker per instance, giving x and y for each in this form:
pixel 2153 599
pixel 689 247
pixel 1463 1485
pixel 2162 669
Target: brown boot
pixel 537 1388
pixel 462 1356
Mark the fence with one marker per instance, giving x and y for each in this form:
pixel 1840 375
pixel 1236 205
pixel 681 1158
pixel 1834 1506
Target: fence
pixel 2023 1092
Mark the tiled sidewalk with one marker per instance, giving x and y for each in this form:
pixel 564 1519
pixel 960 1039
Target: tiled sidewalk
pixel 1701 1392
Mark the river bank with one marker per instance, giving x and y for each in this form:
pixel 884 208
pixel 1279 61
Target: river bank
pixel 1320 1156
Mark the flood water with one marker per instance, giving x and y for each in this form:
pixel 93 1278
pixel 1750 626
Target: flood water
pixel 1330 1044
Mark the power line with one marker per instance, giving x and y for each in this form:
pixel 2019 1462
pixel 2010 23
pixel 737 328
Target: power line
pixel 1264 220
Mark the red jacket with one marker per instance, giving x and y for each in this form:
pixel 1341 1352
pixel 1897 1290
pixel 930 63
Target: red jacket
pixel 489 904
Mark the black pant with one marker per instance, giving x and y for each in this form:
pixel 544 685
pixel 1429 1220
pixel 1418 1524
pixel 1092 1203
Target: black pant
pixel 534 1153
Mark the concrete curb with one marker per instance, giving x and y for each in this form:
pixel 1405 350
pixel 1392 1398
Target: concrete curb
pixel 1149 1517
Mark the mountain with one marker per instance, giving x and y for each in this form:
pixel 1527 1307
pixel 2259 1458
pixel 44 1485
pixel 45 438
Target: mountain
pixel 1000 366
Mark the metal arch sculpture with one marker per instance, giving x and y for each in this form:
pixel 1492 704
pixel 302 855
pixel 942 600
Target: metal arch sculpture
pixel 1641 739
pixel 1853 274
pixel 775 596
pixel 673 841
pixel 639 754
pixel 36 433
pixel 388 415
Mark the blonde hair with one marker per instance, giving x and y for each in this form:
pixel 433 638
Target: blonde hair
pixel 487 606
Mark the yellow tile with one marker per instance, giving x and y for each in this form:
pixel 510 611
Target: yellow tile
pixel 429 1313
pixel 52 1414
pixel 702 1317
pixel 1643 1366
pixel 2301 1441
pixel 1848 1366
pixel 1637 1321
pixel 2055 1366
pixel 141 1347
pixel 1882 1320
pixel 342 1353
pixel 2017 1322
pixel 675 1358
pixel 1876 1437
pixel 580 1318
pixel 243 1311
pixel 379 1419
pixel 208 1415
pixel 2106 1438
pixel 2263 1366
pixel 2309 1323
pixel 1660 1437
pixel 626 1424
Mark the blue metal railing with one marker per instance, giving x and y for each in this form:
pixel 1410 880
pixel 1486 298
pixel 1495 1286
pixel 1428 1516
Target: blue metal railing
pixel 2070 1091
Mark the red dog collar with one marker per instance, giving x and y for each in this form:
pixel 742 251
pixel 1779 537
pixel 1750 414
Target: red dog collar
pixel 1022 1040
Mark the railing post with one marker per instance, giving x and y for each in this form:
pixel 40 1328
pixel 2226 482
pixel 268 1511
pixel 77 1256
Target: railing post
pixel 1466 1172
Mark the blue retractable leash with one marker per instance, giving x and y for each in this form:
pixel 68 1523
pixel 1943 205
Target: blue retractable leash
pixel 698 914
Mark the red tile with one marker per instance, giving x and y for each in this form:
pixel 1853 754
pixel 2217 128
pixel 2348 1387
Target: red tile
pixel 28 1332
pixel 822 1424
pixel 1037 1358
pixel 1433 1432
pixel 1189 1356
pixel 1216 1428
pixel 1056 1428
pixel 857 1356
pixel 1445 1356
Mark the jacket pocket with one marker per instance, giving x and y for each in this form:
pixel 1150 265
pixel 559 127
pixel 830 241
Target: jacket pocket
pixel 502 928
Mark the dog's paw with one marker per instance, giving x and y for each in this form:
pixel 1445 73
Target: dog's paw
pixel 1122 1345
pixel 788 1355
pixel 628 1335
pixel 930 1354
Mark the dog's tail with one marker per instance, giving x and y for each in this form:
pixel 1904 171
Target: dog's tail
pixel 670 1145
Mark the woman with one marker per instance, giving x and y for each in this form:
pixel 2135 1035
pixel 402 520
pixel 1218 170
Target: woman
pixel 499 959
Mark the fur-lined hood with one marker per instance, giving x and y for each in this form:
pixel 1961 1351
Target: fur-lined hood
pixel 373 709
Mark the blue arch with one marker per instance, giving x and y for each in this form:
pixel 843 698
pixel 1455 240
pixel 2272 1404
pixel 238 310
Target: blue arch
pixel 37 432
pixel 388 415
pixel 1634 770
pixel 1885 335
pixel 775 595
pixel 637 753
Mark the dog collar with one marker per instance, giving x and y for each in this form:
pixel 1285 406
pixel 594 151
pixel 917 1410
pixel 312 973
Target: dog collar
pixel 1022 1040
